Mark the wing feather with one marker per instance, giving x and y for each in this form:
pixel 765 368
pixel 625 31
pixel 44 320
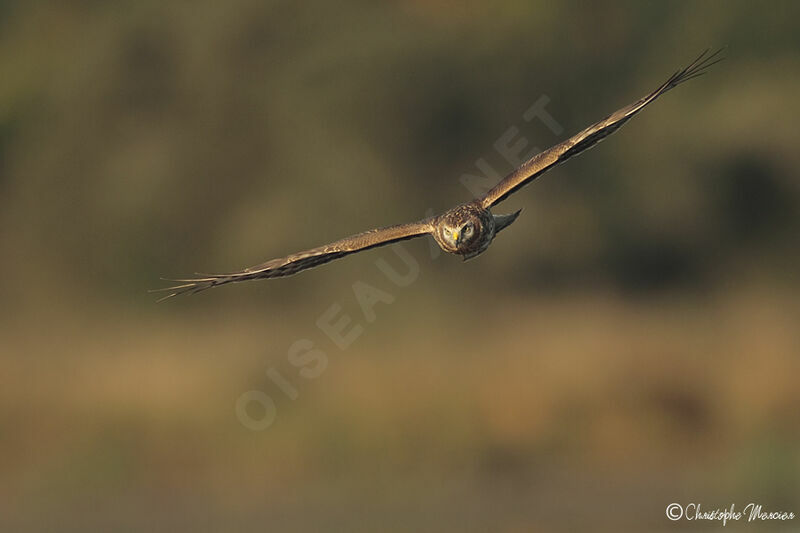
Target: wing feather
pixel 291 264
pixel 544 161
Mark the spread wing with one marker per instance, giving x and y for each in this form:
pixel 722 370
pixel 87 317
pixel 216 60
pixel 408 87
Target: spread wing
pixel 544 161
pixel 291 264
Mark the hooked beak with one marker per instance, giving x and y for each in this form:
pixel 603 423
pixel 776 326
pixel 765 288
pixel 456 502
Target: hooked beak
pixel 456 236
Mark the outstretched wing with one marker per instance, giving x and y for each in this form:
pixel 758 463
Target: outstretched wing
pixel 291 264
pixel 544 161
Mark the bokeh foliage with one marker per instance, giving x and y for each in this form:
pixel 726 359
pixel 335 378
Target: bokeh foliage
pixel 638 344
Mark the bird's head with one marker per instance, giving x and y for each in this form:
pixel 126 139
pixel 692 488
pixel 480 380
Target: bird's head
pixel 458 234
pixel 459 231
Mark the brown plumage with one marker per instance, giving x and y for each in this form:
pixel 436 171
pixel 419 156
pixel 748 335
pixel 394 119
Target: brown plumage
pixel 544 161
pixel 291 264
pixel 467 229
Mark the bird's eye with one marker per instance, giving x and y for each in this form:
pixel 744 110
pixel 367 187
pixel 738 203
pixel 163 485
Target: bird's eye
pixel 468 229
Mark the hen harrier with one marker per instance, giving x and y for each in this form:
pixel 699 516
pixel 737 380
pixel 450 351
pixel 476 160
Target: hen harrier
pixel 467 229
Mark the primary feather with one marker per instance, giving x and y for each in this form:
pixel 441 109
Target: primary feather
pixel 444 226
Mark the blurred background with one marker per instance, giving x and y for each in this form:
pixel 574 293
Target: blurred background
pixel 632 341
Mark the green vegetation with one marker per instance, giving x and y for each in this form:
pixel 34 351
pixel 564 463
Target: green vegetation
pixel 631 341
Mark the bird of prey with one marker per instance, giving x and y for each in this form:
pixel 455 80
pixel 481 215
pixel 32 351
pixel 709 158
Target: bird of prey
pixel 467 229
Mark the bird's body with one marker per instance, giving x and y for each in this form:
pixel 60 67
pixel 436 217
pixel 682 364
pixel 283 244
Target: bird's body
pixel 467 229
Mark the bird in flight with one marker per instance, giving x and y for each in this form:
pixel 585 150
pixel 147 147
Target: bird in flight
pixel 467 229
